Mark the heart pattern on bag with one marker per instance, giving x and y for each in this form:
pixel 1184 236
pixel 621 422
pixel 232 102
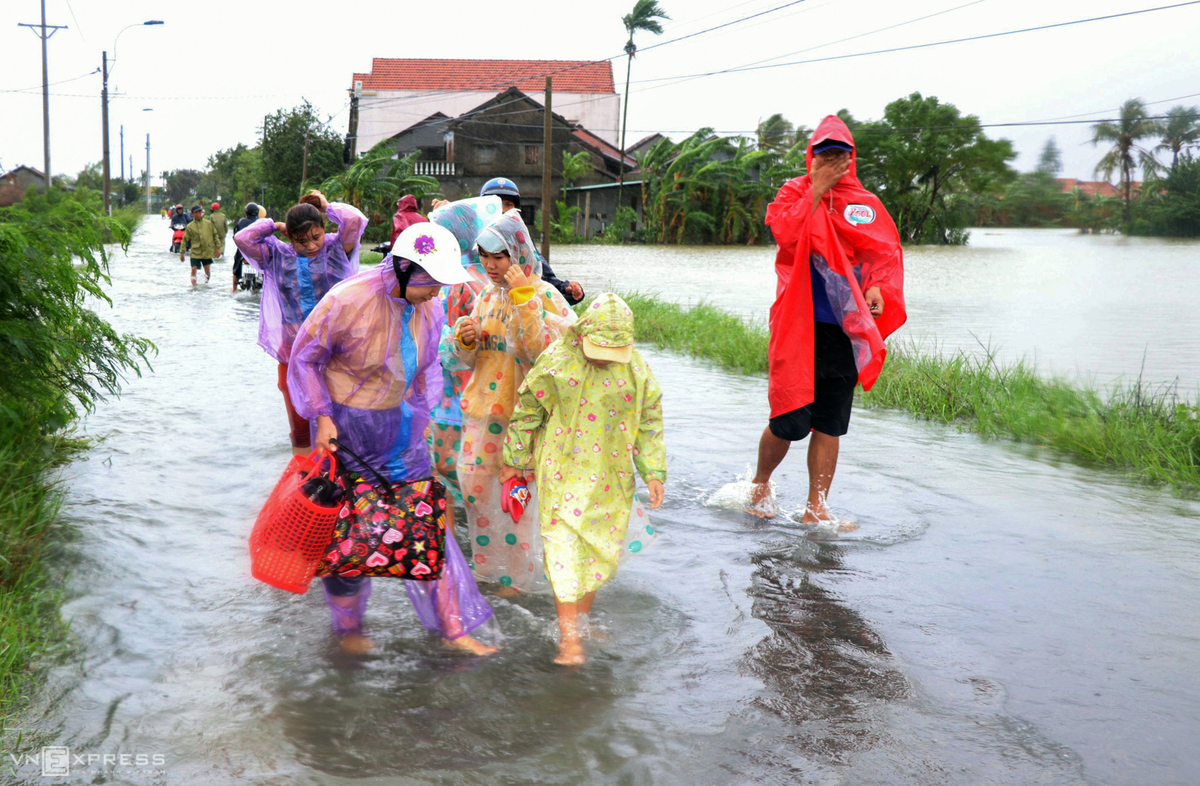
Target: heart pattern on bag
pixel 402 534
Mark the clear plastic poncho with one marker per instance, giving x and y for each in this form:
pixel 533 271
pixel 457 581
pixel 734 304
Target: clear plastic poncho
pixel 514 327
pixel 293 285
pixel 368 360
pixel 465 219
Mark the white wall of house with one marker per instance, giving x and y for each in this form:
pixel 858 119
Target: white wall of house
pixel 385 113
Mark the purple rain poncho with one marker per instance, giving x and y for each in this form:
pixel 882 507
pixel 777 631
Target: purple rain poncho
pixel 287 296
pixel 369 361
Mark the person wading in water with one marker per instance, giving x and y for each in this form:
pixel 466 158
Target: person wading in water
pixel 823 342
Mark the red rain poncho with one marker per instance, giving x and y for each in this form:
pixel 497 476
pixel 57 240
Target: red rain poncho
pixel 854 245
pixel 406 215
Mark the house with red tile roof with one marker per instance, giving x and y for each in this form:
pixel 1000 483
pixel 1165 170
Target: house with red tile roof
pixel 504 137
pixel 1091 188
pixel 398 93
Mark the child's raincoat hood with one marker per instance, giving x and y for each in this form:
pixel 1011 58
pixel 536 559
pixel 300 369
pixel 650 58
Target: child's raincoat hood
pixel 511 230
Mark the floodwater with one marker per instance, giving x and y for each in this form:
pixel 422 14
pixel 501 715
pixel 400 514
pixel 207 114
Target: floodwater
pixel 1002 616
pixel 1085 306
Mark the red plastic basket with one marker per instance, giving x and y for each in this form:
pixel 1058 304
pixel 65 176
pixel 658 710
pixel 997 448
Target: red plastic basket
pixel 291 532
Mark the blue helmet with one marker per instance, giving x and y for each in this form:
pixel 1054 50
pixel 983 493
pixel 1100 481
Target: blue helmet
pixel 501 187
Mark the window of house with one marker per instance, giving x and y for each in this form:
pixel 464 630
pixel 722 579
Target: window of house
pixel 485 154
pixel 532 154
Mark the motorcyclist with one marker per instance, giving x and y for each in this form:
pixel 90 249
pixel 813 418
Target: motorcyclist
pixel 179 222
pixel 252 213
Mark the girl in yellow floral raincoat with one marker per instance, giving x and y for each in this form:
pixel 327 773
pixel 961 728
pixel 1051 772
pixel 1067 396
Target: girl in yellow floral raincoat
pixel 513 320
pixel 590 413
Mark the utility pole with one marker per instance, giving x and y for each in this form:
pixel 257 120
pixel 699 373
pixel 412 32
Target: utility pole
pixel 352 131
pixel 147 174
pixel 104 120
pixel 122 160
pixel 547 140
pixel 45 87
pixel 304 167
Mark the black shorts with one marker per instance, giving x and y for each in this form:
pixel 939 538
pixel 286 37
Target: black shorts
pixel 198 262
pixel 835 376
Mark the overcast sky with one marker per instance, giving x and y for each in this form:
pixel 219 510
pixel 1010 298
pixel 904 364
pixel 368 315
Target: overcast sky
pixel 204 80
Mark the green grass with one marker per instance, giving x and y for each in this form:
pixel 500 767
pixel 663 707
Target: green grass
pixel 129 217
pixel 31 628
pixel 369 258
pixel 1149 431
pixel 703 331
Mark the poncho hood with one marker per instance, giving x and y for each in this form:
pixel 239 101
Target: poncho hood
pixel 406 215
pixel 511 230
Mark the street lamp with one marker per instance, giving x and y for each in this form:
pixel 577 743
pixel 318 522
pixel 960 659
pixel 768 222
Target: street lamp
pixel 104 106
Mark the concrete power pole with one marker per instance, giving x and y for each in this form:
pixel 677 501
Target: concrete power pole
pixel 147 174
pixel 352 131
pixel 122 160
pixel 104 120
pixel 45 87
pixel 547 141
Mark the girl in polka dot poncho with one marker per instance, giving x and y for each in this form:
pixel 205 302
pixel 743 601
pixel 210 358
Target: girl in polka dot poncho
pixel 589 421
pixel 513 320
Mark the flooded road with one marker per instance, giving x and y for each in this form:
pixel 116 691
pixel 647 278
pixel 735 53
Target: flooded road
pixel 1002 616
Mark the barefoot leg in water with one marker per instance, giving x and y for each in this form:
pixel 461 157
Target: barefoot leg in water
pixel 450 616
pixel 570 649
pixel 771 451
pixel 822 463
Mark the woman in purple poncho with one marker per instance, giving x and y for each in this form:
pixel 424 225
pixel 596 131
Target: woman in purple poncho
pixel 296 276
pixel 365 367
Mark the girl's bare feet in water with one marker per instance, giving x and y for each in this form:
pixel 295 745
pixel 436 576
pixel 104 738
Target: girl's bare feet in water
pixel 570 653
pixel 469 645
pixel 762 501
pixel 356 644
pixel 507 592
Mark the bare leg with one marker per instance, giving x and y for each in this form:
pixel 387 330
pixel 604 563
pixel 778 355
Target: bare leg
pixel 234 288
pixel 771 451
pixel 822 463
pixel 207 275
pixel 570 650
pixel 193 276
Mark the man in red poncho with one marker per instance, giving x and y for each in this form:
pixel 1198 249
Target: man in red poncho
pixel 827 327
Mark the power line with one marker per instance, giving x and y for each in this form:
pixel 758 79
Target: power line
pixel 927 45
pixel 62 82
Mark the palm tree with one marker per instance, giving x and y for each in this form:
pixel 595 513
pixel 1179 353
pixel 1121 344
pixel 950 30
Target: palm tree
pixel 644 16
pixel 1126 155
pixel 775 133
pixel 1180 131
pixel 375 181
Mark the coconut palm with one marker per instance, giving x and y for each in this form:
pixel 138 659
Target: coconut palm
pixel 775 133
pixel 1126 155
pixel 643 17
pixel 374 182
pixel 1180 131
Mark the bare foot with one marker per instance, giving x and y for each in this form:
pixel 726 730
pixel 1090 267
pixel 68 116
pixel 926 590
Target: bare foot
pixel 469 645
pixel 507 592
pixel 356 644
pixel 570 653
pixel 762 501
pixel 841 525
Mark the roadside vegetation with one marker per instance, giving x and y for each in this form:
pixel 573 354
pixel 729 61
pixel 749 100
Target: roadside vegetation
pixel 1148 430
pixel 58 358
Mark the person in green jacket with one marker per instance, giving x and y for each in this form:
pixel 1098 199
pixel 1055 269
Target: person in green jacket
pixel 200 238
pixel 218 220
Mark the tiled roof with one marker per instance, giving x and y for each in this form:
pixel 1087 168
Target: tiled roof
pixel 570 76
pixel 602 147
pixel 1094 187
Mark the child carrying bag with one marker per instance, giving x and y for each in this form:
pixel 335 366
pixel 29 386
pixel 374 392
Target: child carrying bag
pixel 388 529
pixel 292 529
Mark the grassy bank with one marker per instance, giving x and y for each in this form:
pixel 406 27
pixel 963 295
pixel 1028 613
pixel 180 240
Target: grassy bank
pixel 30 627
pixel 58 358
pixel 1147 430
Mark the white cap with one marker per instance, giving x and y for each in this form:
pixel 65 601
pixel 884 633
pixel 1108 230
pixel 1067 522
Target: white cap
pixel 435 249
